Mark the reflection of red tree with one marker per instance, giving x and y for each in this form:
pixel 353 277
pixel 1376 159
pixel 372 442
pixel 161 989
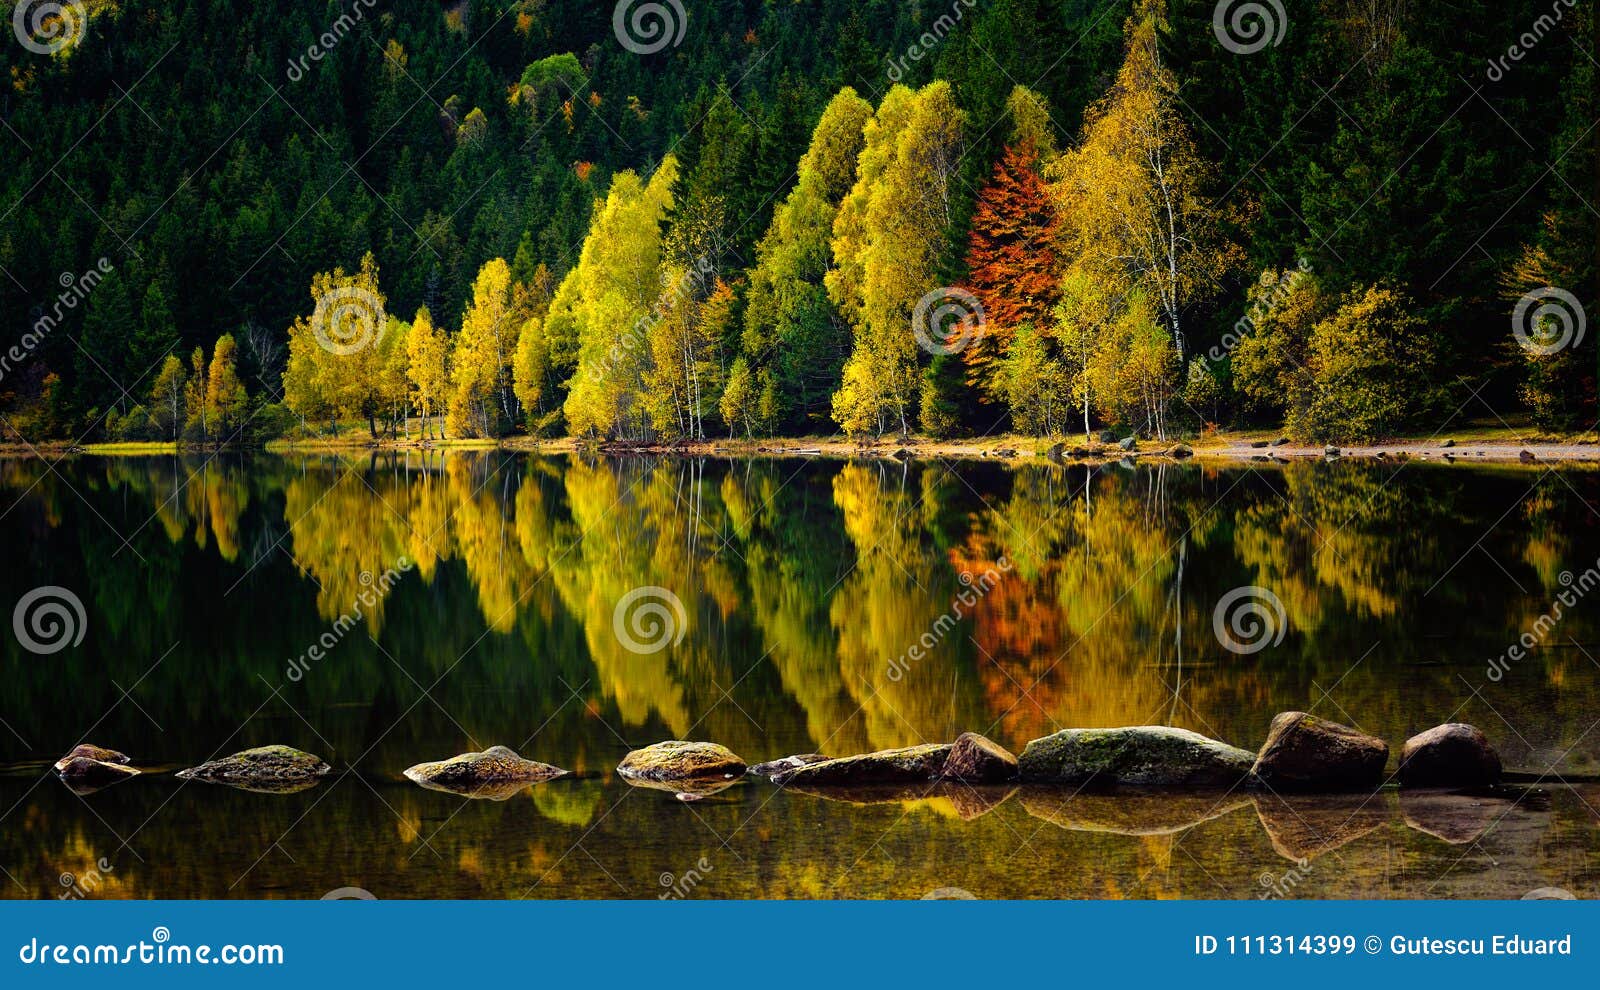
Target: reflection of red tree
pixel 1017 626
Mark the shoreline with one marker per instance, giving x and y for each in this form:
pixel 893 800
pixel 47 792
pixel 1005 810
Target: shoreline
pixel 1008 450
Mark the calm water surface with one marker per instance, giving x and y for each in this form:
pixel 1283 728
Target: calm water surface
pixel 803 585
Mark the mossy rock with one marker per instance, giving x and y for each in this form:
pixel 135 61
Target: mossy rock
pixel 678 760
pixel 1307 753
pixel 977 759
pixel 269 769
pixel 97 753
pixel 890 766
pixel 496 773
pixel 1138 756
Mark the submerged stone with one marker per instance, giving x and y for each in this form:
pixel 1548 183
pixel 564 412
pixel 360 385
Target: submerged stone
pixel 1451 755
pixel 269 769
pixel 978 759
pixel 679 760
pixel 1139 756
pixel 890 766
pixel 97 753
pixel 1307 753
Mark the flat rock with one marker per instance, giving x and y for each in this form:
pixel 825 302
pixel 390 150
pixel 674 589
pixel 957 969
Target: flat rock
pixel 977 759
pixel 772 768
pixel 1307 753
pixel 496 773
pixel 678 760
pixel 269 769
pixel 1139 756
pixel 97 753
pixel 1451 755
pixel 890 766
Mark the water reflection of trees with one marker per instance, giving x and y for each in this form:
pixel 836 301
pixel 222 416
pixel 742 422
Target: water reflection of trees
pixel 804 585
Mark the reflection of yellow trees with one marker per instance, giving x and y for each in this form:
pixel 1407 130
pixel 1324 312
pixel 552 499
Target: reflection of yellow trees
pixel 345 535
pixel 893 599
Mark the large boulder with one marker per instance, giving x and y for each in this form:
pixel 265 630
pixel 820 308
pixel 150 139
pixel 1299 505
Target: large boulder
pixel 977 759
pixel 666 762
pixel 1451 755
pixel 270 769
pixel 891 766
pixel 1306 753
pixel 496 773
pixel 1138 756
pixel 99 754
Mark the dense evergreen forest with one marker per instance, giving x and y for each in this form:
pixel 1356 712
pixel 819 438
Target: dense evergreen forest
pixel 227 221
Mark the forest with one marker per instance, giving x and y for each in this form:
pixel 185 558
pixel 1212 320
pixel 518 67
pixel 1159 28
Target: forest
pixel 226 223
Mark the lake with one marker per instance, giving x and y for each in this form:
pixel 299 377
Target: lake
pixel 383 611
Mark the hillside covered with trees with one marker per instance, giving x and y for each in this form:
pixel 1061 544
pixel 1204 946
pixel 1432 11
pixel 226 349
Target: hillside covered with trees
pixel 225 222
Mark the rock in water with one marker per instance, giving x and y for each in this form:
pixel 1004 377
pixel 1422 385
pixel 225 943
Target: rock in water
pixel 1182 450
pixel 83 774
pixel 1527 457
pixel 1139 756
pixel 774 767
pixel 1449 755
pixel 497 768
pixel 1306 753
pixel 978 759
pixel 87 752
pixel 272 769
pixel 678 760
pixel 1128 443
pixel 891 766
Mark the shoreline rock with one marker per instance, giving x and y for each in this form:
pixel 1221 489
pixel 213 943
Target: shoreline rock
pixel 98 754
pixel 1451 755
pixel 1307 753
pixel 1138 756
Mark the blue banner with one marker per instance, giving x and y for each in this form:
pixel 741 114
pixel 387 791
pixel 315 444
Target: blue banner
pixel 685 944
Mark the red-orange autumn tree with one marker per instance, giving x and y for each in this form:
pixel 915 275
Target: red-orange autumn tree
pixel 1011 250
